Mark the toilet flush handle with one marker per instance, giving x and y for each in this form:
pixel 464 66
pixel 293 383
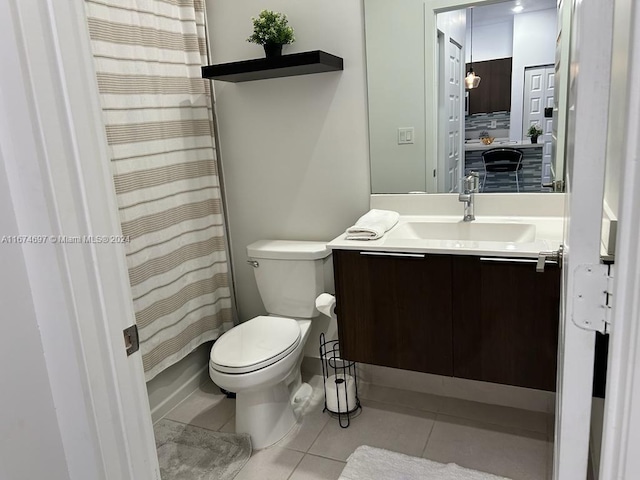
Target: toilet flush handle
pixel 253 263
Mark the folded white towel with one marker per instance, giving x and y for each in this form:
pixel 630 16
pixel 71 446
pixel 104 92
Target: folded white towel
pixel 372 225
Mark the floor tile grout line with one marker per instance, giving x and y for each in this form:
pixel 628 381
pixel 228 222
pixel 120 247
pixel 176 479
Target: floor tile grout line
pixel 196 426
pixel 319 433
pixel 297 465
pixel 320 456
pixel 433 425
pixel 227 421
pixel 325 458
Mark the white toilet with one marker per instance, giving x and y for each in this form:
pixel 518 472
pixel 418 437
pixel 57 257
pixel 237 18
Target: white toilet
pixel 260 359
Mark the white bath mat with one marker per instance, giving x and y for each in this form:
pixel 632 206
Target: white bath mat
pixel 369 463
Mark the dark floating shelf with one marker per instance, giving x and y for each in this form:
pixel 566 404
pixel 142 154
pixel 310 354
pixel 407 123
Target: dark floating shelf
pixel 303 63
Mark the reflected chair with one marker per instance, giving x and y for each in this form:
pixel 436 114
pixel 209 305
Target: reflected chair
pixel 502 160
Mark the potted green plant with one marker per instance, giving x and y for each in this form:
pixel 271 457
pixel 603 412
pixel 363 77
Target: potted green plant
pixel 534 132
pixel 272 31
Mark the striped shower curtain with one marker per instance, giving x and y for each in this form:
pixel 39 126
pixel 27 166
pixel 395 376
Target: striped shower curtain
pixel 158 118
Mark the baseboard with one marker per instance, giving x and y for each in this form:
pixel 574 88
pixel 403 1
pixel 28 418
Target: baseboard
pixel 484 392
pixel 182 392
pixel 311 366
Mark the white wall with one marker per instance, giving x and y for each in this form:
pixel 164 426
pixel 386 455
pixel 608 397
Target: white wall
pixel 30 443
pixel 490 41
pixel 294 150
pixel 534 44
pixel 395 82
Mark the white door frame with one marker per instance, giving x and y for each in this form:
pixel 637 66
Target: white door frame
pixel 621 432
pixel 588 103
pixel 55 153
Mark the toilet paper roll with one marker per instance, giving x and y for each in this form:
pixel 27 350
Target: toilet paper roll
pixel 341 393
pixel 325 303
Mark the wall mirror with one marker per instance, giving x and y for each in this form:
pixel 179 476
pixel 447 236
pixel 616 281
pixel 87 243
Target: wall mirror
pixel 425 127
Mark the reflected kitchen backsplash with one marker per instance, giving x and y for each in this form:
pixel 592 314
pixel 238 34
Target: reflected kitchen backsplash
pixel 476 123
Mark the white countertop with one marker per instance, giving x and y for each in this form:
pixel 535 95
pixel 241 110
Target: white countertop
pixel 542 211
pixel 548 236
pixel 472 145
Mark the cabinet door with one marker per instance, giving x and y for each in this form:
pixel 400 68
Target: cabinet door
pixel 505 322
pixel 395 310
pixel 494 92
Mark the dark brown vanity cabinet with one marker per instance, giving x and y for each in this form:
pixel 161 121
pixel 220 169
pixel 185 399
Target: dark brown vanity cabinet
pixel 468 317
pixel 395 311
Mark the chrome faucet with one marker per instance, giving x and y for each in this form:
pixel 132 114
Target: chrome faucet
pixel 470 186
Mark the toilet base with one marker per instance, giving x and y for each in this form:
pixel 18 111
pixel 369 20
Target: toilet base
pixel 266 415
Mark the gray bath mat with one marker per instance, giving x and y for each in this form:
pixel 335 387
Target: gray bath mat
pixel 368 463
pixel 186 452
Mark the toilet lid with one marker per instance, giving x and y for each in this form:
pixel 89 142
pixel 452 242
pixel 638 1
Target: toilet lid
pixel 255 344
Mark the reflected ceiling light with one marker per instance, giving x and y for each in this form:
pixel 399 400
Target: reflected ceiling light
pixel 517 9
pixel 471 80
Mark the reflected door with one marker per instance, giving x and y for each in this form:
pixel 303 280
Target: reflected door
pixel 538 96
pixel 453 105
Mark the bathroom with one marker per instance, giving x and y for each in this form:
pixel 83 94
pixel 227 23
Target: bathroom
pixel 319 137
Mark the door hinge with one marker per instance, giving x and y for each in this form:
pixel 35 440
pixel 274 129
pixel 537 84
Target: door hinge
pixel 593 297
pixel 131 341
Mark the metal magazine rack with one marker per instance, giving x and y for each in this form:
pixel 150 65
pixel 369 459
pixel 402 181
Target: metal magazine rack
pixel 340 381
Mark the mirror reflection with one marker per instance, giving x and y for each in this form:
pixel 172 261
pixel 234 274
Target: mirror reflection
pixel 511 46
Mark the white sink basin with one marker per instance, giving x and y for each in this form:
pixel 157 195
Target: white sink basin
pixel 473 231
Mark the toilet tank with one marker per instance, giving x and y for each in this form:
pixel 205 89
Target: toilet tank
pixel 290 275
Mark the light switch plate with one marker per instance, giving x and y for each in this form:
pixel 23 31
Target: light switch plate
pixel 405 135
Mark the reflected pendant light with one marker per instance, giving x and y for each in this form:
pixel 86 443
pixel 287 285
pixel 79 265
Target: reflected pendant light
pixel 471 80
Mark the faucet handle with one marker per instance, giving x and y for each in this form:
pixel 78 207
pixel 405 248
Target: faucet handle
pixel 471 182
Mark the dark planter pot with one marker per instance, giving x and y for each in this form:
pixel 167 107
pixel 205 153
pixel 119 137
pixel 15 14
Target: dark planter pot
pixel 534 139
pixel 272 50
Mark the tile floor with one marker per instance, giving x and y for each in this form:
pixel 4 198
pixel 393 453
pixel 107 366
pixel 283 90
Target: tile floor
pixel 505 441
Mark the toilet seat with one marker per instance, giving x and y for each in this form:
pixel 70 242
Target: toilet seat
pixel 255 344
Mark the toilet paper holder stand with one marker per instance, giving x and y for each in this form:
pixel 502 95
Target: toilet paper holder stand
pixel 340 380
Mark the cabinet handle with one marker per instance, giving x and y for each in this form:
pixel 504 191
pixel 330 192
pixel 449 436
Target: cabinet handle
pixel 390 254
pixel 508 260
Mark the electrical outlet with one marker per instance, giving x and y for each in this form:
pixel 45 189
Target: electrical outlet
pixel 494 124
pixel 405 135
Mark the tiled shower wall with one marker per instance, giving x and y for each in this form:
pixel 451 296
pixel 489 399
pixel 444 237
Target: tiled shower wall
pixel 478 122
